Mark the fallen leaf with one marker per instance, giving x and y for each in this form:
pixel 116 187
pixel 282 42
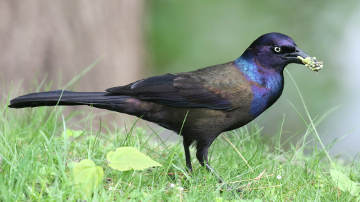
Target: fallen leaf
pixel 87 176
pixel 344 183
pixel 129 158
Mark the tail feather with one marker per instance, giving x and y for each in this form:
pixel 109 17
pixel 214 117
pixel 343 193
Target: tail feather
pixel 51 98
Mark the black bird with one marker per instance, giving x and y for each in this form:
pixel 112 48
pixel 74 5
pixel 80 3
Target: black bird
pixel 200 104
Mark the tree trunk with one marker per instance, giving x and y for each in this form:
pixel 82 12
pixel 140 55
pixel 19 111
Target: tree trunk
pixel 57 39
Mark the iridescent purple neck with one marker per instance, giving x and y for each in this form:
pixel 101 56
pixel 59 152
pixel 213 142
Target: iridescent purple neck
pixel 255 72
pixel 248 67
pixel 266 83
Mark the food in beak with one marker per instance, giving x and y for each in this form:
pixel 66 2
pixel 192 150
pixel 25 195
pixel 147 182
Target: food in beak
pixel 311 63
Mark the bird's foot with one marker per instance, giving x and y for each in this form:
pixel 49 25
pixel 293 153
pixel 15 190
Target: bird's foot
pixel 227 187
pixel 224 185
pixel 212 170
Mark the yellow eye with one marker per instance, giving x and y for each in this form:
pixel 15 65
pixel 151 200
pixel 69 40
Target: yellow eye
pixel 277 49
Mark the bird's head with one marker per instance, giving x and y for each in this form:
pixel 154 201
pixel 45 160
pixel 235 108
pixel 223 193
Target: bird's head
pixel 276 50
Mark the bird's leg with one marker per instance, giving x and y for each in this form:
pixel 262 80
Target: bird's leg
pixel 186 144
pixel 202 156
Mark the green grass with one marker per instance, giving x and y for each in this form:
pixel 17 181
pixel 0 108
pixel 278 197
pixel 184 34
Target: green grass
pixel 36 158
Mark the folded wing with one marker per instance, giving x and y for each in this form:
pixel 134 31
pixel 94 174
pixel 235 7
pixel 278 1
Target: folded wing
pixel 218 87
pixel 183 91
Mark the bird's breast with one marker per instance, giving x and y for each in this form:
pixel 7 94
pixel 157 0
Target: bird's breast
pixel 265 93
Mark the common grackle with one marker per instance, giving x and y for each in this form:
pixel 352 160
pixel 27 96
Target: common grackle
pixel 200 104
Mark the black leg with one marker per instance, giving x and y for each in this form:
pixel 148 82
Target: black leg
pixel 187 144
pixel 202 156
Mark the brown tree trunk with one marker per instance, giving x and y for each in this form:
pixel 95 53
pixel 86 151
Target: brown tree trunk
pixel 57 39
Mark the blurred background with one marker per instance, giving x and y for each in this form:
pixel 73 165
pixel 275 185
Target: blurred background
pixel 54 41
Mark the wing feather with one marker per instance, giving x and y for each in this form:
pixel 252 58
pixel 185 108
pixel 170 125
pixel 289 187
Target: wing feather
pixel 198 89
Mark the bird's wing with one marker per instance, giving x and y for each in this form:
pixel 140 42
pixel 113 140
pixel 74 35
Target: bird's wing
pixel 200 89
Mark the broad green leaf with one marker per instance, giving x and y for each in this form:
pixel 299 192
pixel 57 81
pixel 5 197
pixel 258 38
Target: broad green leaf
pixel 344 183
pixel 87 176
pixel 72 133
pixel 220 199
pixel 129 158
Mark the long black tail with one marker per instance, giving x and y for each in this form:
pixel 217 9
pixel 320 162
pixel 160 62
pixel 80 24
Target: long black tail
pixel 102 100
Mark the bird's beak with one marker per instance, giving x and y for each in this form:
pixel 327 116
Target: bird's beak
pixel 293 57
pixel 300 57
